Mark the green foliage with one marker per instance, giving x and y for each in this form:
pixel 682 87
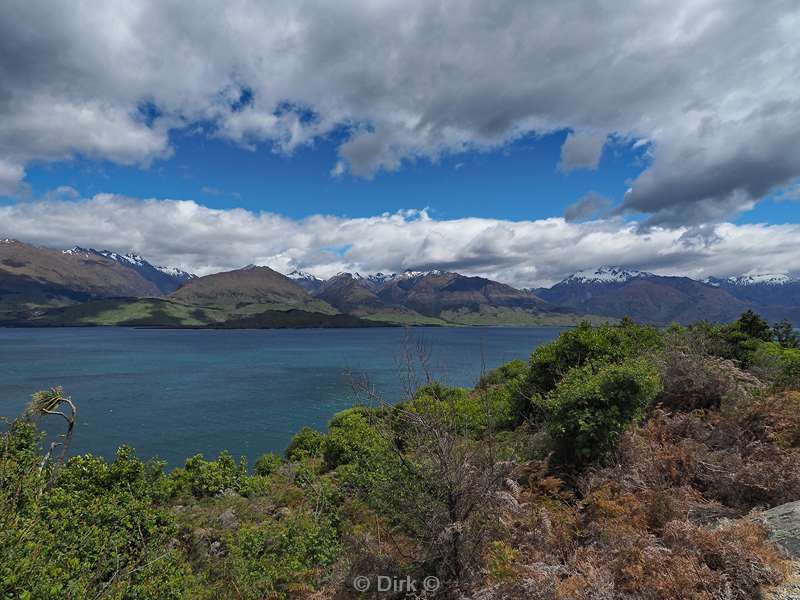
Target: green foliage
pixel 352 436
pixel 44 401
pixel 592 405
pixel 783 332
pixel 500 561
pixel 267 464
pixel 504 374
pixel 752 325
pixel 468 412
pixel 278 559
pixel 98 527
pixel 551 362
pixel 732 341
pixel 202 478
pixel 778 365
pixel 306 443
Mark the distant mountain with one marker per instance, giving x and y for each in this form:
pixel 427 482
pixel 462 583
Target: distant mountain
pixel 434 293
pixel 46 286
pixel 770 289
pixel 645 297
pixel 307 281
pixel 249 285
pixel 437 297
pixel 32 278
pixel 166 279
pixel 351 293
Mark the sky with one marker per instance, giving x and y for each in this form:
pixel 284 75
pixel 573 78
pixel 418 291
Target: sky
pixel 518 140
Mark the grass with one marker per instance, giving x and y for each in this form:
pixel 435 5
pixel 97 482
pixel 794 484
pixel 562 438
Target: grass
pixel 405 319
pixel 161 312
pixel 313 306
pixel 120 312
pixel 513 317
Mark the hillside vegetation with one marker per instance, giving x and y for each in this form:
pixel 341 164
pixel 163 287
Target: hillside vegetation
pixel 618 462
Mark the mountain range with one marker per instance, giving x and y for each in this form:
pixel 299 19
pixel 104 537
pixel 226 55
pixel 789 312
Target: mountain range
pixel 80 286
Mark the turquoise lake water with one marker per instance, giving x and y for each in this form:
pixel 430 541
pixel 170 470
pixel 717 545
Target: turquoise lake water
pixel 174 393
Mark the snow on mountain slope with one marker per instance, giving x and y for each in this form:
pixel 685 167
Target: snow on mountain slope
pixel 761 279
pixel 606 275
pixel 167 279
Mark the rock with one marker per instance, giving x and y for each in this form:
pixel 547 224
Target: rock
pixel 783 526
pixel 228 519
pixel 216 549
pixel 508 501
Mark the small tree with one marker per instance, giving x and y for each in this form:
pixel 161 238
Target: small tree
pixel 439 486
pixel 783 332
pixel 50 402
pixel 753 325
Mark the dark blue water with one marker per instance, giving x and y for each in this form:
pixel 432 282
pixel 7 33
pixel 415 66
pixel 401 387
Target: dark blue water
pixel 173 393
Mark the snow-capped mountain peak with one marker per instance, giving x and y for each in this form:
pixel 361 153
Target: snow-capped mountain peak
pixel 165 278
pixel 381 278
pixel 131 258
pixel 79 251
pixel 606 275
pixel 761 279
pixel 302 275
pixel 176 273
pixel 409 274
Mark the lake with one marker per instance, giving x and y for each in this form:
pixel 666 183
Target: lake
pixel 174 393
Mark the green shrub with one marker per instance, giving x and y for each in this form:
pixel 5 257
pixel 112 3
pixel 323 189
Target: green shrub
pixel 98 527
pixel 504 374
pixel 352 436
pixel 551 362
pixel 278 559
pixel 267 464
pixel 752 325
pixel 592 405
pixel 469 412
pixel 736 341
pixel 202 478
pixel 371 414
pixel 784 333
pixel 777 365
pixel 306 443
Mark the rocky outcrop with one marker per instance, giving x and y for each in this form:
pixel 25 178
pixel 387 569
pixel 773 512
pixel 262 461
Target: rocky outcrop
pixel 783 525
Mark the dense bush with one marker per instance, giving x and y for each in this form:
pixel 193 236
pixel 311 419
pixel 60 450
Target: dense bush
pixel 592 405
pixel 784 334
pixel 504 374
pixel 352 436
pixel 306 443
pixel 777 364
pixel 470 412
pixel 694 380
pixel 200 477
pixel 267 464
pixel 280 559
pixel 551 362
pixel 97 528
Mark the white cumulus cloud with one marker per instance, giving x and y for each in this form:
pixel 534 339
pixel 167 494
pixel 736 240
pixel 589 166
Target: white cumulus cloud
pixel 197 238
pixel 710 84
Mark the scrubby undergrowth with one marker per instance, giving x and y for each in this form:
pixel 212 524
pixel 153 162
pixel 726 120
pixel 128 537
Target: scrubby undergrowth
pixel 620 462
